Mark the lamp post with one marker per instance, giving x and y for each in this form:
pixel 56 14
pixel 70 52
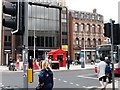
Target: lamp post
pixel 83 57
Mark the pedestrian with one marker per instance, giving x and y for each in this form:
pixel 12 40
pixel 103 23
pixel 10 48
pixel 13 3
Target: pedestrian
pixel 10 61
pixel 30 60
pixel 108 70
pixel 46 77
pixel 68 62
pixel 101 73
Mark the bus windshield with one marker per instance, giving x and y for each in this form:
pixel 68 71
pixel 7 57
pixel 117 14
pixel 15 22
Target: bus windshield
pixel 105 51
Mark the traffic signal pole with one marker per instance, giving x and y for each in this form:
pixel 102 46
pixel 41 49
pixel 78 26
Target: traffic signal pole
pixel 112 59
pixel 25 44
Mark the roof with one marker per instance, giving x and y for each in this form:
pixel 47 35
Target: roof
pixel 57 51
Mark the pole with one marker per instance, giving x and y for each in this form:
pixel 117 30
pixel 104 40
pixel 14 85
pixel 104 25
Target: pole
pixel 113 81
pixel 25 43
pixel 34 42
pixel 84 51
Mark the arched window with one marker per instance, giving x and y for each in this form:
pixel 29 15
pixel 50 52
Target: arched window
pixel 99 41
pixel 77 41
pixel 82 28
pixel 88 28
pixel 76 27
pixel 88 42
pixel 82 42
pixel 94 42
pixel 93 28
pixel 98 29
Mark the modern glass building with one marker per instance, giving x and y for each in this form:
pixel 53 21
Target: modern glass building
pixel 47 30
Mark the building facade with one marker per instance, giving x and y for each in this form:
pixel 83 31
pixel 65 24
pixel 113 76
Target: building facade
pixel 47 30
pixel 86 32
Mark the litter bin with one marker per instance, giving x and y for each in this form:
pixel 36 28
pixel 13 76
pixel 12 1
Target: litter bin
pixel 55 64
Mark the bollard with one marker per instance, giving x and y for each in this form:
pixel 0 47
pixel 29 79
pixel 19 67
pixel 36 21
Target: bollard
pixel 30 75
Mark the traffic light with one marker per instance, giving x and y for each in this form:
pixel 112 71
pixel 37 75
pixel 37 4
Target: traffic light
pixel 107 30
pixel 14 17
pixel 116 33
pixel 10 8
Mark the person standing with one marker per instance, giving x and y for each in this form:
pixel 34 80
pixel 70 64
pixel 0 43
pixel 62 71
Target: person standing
pixel 101 73
pixel 68 62
pixel 108 70
pixel 30 60
pixel 46 77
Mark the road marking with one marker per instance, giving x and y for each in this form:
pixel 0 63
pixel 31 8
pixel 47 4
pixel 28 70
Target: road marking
pixel 64 81
pixel 71 83
pixel 87 77
pixel 54 78
pixel 59 79
pixel 91 87
pixel 1 85
pixel 77 84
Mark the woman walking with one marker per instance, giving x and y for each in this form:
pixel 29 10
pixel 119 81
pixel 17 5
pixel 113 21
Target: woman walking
pixel 46 77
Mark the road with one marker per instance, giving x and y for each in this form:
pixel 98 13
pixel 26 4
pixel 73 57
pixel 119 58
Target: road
pixel 62 79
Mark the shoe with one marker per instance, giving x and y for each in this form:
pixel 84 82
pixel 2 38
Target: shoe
pixel 102 88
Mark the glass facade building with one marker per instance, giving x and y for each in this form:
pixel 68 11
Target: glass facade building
pixel 46 26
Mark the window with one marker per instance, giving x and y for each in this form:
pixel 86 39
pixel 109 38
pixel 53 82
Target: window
pixel 99 41
pixel 82 28
pixel 94 42
pixel 98 29
pixel 88 42
pixel 77 41
pixel 93 28
pixel 88 28
pixel 76 27
pixel 5 38
pixel 30 41
pixel 82 42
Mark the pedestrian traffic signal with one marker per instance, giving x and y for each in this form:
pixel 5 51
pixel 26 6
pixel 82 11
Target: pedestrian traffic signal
pixel 14 17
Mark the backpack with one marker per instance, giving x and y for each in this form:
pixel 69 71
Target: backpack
pixel 107 69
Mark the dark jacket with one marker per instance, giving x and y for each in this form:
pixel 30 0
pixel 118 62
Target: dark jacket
pixel 46 77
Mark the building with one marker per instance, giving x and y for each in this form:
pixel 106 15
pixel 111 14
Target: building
pixel 0 32
pixel 47 30
pixel 86 31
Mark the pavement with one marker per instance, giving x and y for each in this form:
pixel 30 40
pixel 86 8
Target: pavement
pixel 72 67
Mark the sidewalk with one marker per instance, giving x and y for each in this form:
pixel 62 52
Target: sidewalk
pixel 77 67
pixel 3 68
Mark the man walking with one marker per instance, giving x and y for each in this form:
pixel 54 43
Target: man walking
pixel 101 73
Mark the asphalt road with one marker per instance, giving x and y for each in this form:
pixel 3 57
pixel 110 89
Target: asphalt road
pixel 62 79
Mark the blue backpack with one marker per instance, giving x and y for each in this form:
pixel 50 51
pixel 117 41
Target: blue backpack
pixel 108 69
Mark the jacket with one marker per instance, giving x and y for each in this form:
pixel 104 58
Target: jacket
pixel 46 77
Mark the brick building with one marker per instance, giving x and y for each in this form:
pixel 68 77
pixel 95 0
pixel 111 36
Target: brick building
pixel 86 32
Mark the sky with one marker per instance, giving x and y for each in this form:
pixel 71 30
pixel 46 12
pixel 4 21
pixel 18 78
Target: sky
pixel 107 8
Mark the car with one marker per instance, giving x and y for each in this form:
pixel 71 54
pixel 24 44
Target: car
pixel 96 64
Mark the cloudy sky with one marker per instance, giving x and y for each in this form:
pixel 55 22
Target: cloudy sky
pixel 107 8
